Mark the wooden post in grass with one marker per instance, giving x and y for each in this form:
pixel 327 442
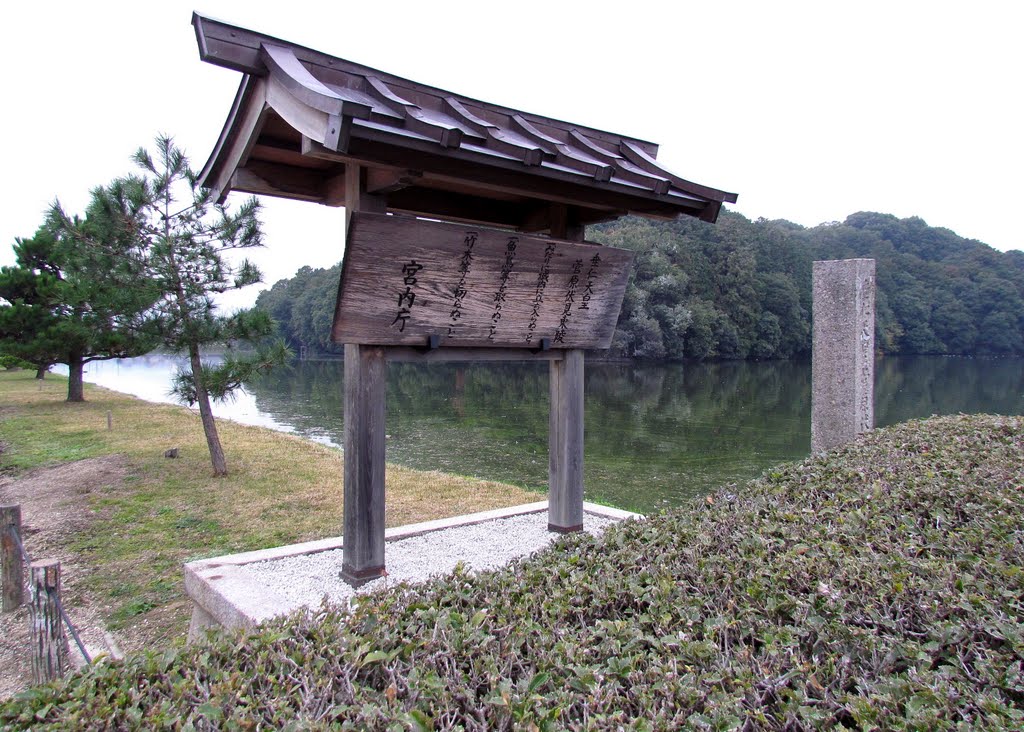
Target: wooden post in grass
pixel 49 644
pixel 11 564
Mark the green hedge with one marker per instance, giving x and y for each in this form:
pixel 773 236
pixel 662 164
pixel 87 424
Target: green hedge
pixel 877 587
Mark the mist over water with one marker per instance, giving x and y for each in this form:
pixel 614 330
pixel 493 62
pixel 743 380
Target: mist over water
pixel 655 435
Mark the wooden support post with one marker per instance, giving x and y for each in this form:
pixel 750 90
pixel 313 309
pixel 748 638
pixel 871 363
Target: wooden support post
pixel 356 197
pixel 365 382
pixel 565 420
pixel 49 644
pixel 363 542
pixel 565 444
pixel 12 565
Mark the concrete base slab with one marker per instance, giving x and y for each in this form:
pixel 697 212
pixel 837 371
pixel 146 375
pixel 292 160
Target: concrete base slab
pixel 224 594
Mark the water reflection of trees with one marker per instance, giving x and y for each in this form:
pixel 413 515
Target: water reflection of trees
pixel 653 433
pixel 919 386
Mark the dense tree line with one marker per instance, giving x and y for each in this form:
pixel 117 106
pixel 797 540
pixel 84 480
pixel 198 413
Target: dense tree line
pixel 303 308
pixel 741 289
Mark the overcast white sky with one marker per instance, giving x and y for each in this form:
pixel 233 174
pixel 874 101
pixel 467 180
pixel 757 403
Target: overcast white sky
pixel 809 110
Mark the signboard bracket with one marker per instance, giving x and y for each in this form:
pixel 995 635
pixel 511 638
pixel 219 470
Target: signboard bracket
pixel 433 343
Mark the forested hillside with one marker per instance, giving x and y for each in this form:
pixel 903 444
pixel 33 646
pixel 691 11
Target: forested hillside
pixel 742 289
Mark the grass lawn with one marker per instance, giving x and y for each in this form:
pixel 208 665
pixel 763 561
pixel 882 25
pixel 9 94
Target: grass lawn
pixel 158 513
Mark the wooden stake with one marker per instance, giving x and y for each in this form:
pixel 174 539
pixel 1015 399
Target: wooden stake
pixel 110 422
pixel 12 571
pixel 49 644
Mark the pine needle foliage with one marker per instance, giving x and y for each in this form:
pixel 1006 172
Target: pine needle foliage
pixel 189 239
pixel 78 292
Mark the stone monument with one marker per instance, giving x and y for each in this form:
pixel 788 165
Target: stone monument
pixel 843 352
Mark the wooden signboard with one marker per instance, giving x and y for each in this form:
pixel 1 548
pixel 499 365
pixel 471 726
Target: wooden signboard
pixel 410 282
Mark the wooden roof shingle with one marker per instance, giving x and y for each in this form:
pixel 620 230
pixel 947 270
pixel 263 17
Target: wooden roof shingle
pixel 300 117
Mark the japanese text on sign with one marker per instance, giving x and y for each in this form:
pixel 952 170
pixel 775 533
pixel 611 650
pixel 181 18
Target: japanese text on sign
pixel 570 298
pixel 406 297
pixel 538 295
pixel 501 294
pixel 588 290
pixel 410 282
pixel 465 264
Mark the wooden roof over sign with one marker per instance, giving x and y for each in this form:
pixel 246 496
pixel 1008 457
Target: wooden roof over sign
pixel 301 115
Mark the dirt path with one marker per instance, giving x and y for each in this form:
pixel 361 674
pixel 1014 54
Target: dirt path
pixel 54 513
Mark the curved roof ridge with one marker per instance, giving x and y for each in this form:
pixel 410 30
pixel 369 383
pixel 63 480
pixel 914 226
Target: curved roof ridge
pixel 348 112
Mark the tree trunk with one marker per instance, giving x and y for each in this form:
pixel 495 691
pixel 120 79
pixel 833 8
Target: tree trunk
pixel 220 465
pixel 41 371
pixel 76 367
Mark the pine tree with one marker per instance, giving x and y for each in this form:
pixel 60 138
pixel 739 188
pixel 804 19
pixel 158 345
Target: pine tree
pixel 188 237
pixel 74 296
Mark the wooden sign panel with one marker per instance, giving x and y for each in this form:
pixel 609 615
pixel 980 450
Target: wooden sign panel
pixel 404 280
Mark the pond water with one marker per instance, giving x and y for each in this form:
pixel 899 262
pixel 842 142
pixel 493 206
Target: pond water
pixel 655 435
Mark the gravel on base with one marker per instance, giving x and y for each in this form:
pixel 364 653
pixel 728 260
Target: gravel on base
pixel 309 578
